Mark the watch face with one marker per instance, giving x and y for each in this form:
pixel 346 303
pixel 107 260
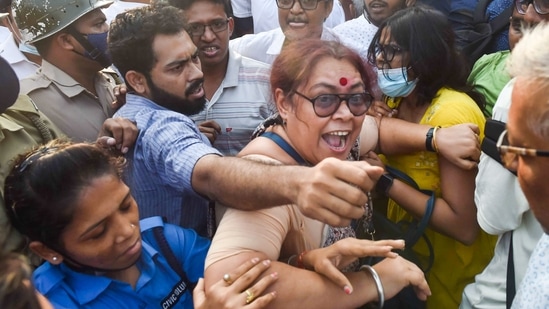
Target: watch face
pixel 384 183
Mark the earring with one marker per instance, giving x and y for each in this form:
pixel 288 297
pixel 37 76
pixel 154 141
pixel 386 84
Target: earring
pixel 132 225
pixel 54 259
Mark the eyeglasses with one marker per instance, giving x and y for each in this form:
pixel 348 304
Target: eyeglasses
pixel 326 105
pixel 196 29
pixel 541 6
pixel 509 153
pixel 305 4
pixel 388 52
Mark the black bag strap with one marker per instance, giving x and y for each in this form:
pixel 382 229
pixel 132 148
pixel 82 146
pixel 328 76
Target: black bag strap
pixel 492 131
pixel 412 239
pixel 497 23
pixel 170 257
pixel 510 288
pixel 480 11
pixel 285 146
pixel 417 228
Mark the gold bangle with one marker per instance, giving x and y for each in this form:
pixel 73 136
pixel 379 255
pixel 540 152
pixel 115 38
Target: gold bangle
pixel 435 138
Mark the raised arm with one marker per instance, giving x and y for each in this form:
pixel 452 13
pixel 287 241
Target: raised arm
pixel 333 191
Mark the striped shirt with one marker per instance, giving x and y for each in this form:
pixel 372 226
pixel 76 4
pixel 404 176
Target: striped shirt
pixel 240 104
pixel 162 161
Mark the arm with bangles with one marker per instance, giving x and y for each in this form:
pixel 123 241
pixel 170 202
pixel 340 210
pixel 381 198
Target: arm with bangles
pixel 268 234
pixel 459 144
pixel 301 288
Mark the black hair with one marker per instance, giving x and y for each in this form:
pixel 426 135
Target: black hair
pixel 43 186
pixel 132 34
pixel 185 4
pixel 428 37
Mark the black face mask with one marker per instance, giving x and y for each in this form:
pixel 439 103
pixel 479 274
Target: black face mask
pixel 95 45
pixel 175 103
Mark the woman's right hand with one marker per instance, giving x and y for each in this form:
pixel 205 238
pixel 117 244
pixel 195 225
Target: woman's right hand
pixel 233 294
pixel 330 260
pixel 399 273
pixel 380 109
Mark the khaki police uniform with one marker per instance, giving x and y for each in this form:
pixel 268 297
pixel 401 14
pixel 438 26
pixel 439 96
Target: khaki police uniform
pixel 22 127
pixel 76 111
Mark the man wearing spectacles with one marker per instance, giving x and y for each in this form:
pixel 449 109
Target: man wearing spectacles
pixel 237 88
pixel 528 136
pixel 298 19
pixel 255 16
pixel 502 208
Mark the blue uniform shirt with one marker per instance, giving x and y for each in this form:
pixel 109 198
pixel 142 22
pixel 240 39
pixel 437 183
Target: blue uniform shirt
pixel 158 286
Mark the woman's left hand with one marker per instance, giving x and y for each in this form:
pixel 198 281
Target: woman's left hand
pixel 330 260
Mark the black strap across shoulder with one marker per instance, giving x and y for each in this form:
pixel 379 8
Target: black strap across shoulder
pixel 285 146
pixel 497 23
pixel 510 288
pixel 172 260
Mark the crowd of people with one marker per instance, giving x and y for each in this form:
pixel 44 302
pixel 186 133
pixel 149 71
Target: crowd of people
pixel 198 154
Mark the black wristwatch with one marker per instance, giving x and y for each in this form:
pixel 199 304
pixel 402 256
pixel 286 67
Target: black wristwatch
pixel 384 184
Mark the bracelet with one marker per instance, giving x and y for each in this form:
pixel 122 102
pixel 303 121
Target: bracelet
pixel 377 280
pixel 300 263
pixel 429 140
pixel 435 139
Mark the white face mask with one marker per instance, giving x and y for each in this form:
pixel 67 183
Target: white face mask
pixel 28 48
pixel 24 47
pixel 394 82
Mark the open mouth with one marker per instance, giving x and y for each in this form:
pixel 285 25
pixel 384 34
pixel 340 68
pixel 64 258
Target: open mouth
pixel 210 51
pixel 297 24
pixel 336 140
pixel 195 88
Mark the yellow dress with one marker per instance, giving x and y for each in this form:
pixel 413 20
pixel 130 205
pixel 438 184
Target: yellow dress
pixel 455 264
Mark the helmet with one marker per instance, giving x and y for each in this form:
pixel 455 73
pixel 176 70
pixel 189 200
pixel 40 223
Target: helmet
pixel 39 19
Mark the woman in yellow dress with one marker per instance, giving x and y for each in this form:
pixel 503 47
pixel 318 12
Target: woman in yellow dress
pixel 423 78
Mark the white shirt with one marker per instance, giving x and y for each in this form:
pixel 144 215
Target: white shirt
pixel 266 46
pixel 265 14
pixel 118 7
pixel 357 34
pixel 501 208
pixel 533 292
pixel 9 51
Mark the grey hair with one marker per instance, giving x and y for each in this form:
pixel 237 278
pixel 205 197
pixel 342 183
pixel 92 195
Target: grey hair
pixel 530 61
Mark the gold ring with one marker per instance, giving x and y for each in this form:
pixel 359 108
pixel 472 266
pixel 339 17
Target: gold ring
pixel 249 296
pixel 227 279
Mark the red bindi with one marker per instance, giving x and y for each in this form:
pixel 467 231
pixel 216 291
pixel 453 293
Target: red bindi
pixel 343 81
